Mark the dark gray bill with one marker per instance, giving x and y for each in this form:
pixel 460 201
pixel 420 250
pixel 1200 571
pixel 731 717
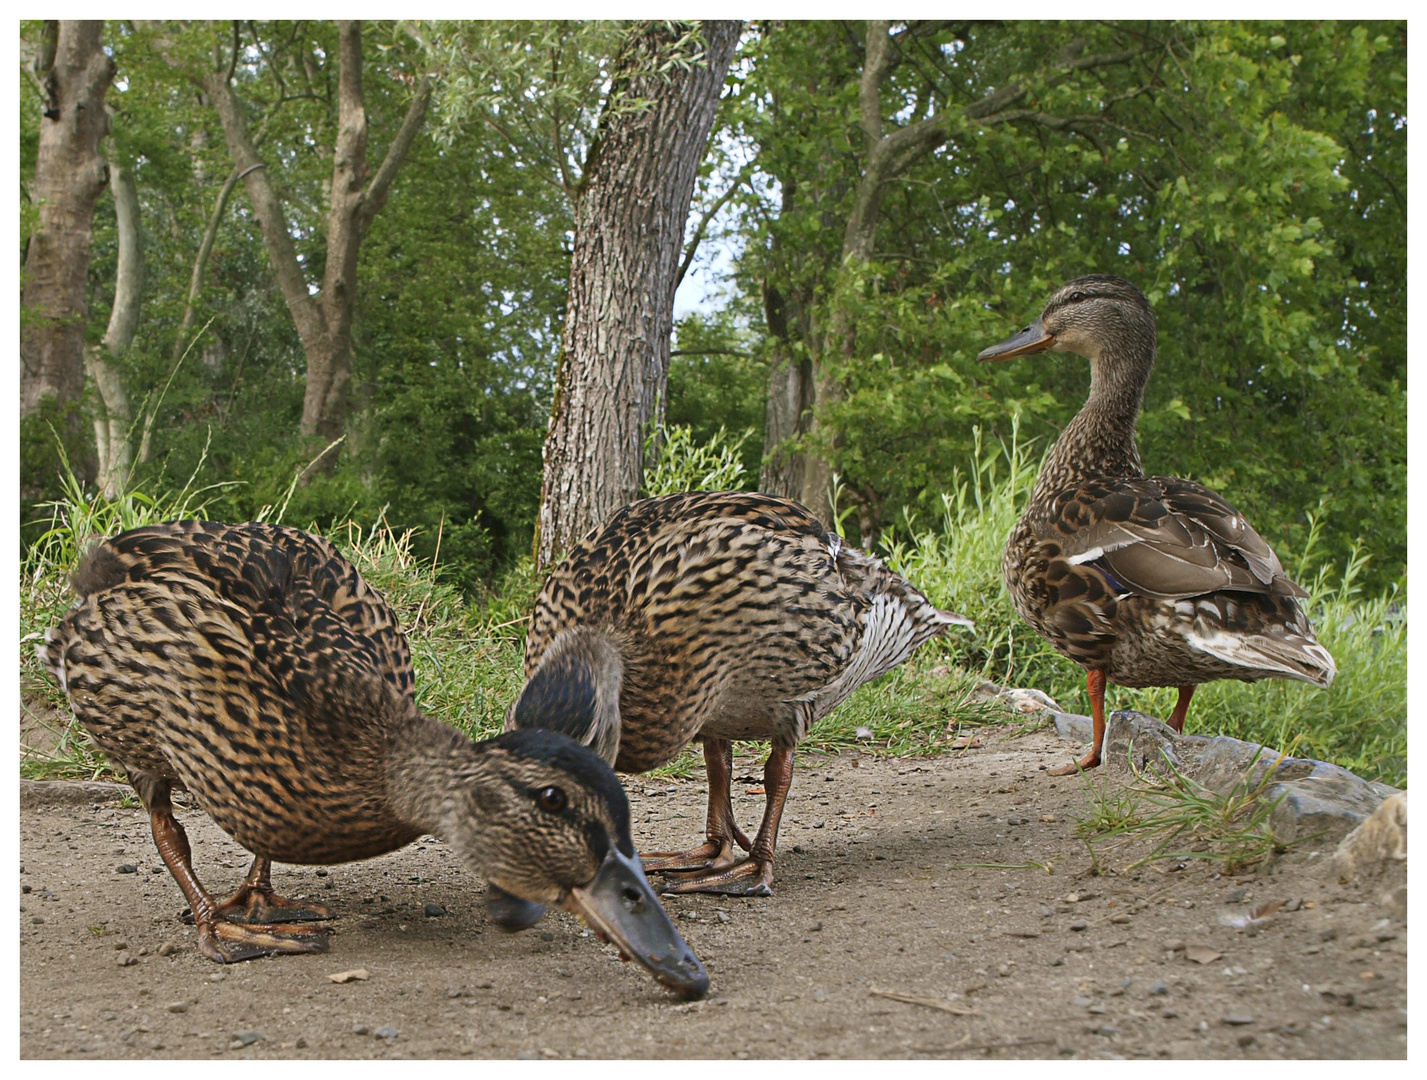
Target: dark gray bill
pixel 620 906
pixel 511 912
pixel 1032 339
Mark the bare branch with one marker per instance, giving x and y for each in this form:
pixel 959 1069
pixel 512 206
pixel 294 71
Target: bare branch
pixel 709 215
pixel 376 193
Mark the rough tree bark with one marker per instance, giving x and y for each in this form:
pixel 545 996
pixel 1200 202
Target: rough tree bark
pixel 323 321
pixel 113 417
pixel 69 176
pixel 630 210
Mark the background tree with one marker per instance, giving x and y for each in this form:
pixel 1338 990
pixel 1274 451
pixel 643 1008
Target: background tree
pixel 323 316
pixel 1203 161
pixel 74 74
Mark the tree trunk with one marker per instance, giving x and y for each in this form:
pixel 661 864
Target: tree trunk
pixel 323 322
pixel 114 418
pixel 790 401
pixel 69 176
pixel 840 343
pixel 630 212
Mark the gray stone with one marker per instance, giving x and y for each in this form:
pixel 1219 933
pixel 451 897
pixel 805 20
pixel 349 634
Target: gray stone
pixel 126 868
pixel 434 911
pixel 386 1031
pixel 1313 796
pixel 246 1038
pixel 1072 727
pixel 361 1029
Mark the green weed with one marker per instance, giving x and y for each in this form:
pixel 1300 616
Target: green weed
pixel 1179 819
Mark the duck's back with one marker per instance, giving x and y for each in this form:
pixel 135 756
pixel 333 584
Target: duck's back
pixel 737 615
pixel 253 665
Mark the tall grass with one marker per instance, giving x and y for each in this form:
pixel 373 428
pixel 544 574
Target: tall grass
pixel 468 655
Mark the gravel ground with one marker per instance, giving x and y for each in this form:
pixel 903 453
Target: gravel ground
pixel 880 941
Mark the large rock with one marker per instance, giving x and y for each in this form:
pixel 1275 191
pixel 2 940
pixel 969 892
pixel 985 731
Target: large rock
pixel 1317 796
pixel 1375 855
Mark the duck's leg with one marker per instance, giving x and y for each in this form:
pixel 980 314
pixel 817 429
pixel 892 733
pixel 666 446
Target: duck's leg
pixel 1095 686
pixel 218 939
pixel 722 831
pixel 754 875
pixel 255 901
pixel 1181 707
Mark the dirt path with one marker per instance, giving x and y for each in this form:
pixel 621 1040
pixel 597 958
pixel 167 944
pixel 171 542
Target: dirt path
pixel 872 894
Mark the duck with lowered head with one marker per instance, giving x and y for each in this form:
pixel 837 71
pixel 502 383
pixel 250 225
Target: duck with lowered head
pixel 252 665
pixel 1141 580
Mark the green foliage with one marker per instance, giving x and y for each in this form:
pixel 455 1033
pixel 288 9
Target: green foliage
pixel 1234 170
pixel 678 463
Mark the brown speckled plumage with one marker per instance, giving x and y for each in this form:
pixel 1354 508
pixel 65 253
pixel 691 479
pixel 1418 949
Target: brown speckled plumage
pixel 252 665
pixel 1141 580
pixel 717 616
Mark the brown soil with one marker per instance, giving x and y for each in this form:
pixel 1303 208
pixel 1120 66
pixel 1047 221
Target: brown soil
pixel 874 893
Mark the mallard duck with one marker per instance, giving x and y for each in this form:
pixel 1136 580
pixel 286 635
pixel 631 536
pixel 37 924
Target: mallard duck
pixel 252 665
pixel 713 616
pixel 1141 580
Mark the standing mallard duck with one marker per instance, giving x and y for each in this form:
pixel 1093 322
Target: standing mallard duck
pixel 253 666
pixel 716 616
pixel 1142 581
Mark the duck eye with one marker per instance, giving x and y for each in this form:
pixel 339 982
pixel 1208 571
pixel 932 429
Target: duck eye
pixel 551 799
pixel 1076 297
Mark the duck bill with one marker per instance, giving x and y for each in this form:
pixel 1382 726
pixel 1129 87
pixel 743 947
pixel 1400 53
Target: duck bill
pixel 622 909
pixel 1033 339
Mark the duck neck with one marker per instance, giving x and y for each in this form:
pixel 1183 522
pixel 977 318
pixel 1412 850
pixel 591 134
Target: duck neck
pixel 575 690
pixel 1100 440
pixel 434 784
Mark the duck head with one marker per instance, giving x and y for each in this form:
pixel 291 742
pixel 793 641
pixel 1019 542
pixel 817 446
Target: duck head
pixel 547 822
pixel 1098 316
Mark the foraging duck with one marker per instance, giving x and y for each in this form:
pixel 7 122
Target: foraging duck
pixel 713 616
pixel 1141 580
pixel 252 665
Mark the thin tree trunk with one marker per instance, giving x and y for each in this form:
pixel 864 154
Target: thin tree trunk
pixel 790 400
pixel 630 212
pixel 323 322
pixel 114 418
pixel 200 265
pixel 69 176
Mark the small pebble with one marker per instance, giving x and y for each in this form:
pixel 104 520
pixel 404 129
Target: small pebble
pixel 434 911
pixel 723 918
pixel 1246 1040
pixel 24 888
pixel 37 918
pixel 1107 1030
pixel 361 1029
pixel 1237 1020
pixel 244 1038
pixel 178 1007
pixel 1121 918
pixel 797 848
pixel 301 1043
pixel 321 873
pixel 120 945
pixel 127 960
pixel 819 994
pixel 1159 989
pixel 816 926
pixel 168 948
pixel 1329 934
pixel 386 1031
pixel 1081 925
pixel 126 868
pixel 546 935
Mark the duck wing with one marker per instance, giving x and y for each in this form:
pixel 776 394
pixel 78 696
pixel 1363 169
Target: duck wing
pixel 310 620
pixel 1165 538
